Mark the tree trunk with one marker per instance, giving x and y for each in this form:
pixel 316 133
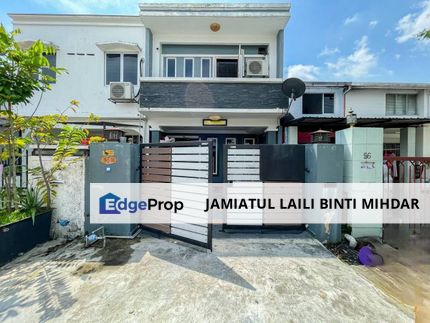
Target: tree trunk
pixel 12 194
pixel 45 179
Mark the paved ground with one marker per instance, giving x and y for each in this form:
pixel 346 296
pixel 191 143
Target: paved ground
pixel 270 278
pixel 405 274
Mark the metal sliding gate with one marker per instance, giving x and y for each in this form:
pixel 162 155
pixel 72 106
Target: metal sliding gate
pixel 188 167
pixel 242 164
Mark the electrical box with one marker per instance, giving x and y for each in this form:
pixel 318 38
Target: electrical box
pixel 111 162
pixel 324 164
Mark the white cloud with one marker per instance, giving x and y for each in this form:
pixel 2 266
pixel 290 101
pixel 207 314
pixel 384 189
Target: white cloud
pixel 397 56
pixel 329 51
pixel 351 19
pixel 412 24
pixel 93 6
pixel 373 23
pixel 356 65
pixel 304 72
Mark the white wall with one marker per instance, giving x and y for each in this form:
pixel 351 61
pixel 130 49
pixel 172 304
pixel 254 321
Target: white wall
pixel 69 204
pixel 297 106
pixel 85 80
pixel 371 102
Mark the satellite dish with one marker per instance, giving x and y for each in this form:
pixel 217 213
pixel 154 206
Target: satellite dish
pixel 293 88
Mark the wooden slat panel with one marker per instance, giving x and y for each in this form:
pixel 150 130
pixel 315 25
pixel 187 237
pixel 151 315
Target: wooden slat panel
pixel 190 173
pixel 157 178
pixel 185 165
pixel 157 151
pixel 244 152
pixel 156 171
pixel 254 158
pixel 191 158
pixel 157 164
pixel 190 150
pixel 157 157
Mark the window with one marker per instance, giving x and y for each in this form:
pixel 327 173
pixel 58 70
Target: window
pixel 129 73
pixel 249 141
pixel 52 59
pixel 226 68
pixel 189 69
pixel 121 68
pixel 206 67
pixel 400 104
pixel 318 103
pixel 171 67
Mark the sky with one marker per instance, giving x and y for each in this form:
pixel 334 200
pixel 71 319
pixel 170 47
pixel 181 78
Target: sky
pixel 336 40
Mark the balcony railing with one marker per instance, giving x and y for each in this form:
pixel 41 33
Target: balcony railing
pixel 406 169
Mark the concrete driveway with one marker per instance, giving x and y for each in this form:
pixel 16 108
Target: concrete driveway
pixel 247 278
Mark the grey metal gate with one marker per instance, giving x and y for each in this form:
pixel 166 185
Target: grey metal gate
pixel 180 163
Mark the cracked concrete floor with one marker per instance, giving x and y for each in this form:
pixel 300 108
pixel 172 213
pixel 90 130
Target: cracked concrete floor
pixel 247 278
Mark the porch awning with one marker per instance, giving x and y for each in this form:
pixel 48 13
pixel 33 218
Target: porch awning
pixel 25 44
pixel 119 46
pixel 312 123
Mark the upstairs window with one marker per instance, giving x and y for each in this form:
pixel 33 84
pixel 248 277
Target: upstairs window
pixel 189 67
pixel 206 67
pixel 318 103
pixel 227 68
pixel 171 67
pixel 52 59
pixel 400 104
pixel 121 68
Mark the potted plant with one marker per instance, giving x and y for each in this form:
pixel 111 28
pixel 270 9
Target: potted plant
pixel 25 227
pixel 25 214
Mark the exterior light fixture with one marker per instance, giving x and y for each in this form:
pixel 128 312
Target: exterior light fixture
pixel 215 27
pixel 351 118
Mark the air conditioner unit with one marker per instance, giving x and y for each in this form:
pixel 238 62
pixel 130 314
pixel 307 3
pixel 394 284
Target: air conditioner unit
pixel 121 91
pixel 257 67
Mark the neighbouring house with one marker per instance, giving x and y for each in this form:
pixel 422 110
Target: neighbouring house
pixel 189 72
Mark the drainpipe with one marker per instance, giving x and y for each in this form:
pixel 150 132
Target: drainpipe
pixel 345 92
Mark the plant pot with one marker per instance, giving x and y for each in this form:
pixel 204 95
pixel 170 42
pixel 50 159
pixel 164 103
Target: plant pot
pixel 22 236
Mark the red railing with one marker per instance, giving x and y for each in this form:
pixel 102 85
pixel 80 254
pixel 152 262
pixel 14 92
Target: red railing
pixel 405 169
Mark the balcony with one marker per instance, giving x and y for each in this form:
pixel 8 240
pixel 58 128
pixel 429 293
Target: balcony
pixel 211 94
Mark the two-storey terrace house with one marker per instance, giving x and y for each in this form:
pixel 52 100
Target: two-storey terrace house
pixel 403 110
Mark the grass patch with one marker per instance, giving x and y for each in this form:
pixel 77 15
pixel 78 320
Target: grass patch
pixel 12 217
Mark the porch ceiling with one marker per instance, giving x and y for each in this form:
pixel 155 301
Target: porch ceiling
pixel 188 18
pixel 214 130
